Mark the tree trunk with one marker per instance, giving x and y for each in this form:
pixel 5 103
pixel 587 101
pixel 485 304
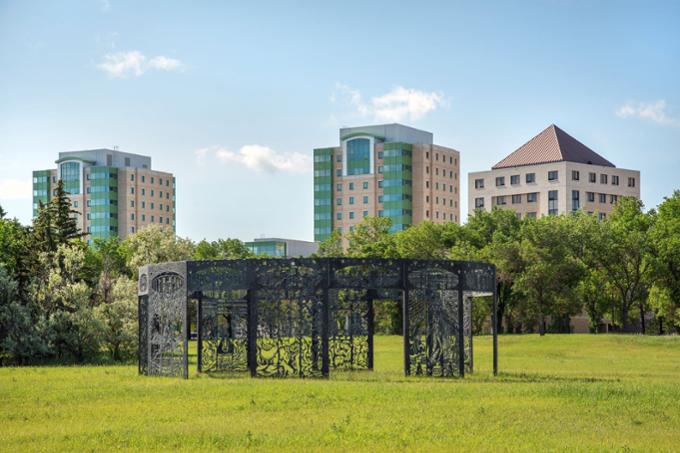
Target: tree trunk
pixel 627 327
pixel 642 317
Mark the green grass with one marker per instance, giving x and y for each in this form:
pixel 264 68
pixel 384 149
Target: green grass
pixel 573 392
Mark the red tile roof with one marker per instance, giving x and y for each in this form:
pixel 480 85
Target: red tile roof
pixel 552 145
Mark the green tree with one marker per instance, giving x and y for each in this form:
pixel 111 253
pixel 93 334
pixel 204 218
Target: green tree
pixel 221 249
pixel 550 271
pixel 622 251
pixel 665 237
pixel 427 240
pixel 331 246
pixel 118 319
pixel 155 244
pixel 372 239
pixel 19 340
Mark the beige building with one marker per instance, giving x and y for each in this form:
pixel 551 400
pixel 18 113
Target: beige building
pixel 387 170
pixel 114 193
pixel 553 173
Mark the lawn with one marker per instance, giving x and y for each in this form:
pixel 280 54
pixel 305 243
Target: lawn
pixel 575 392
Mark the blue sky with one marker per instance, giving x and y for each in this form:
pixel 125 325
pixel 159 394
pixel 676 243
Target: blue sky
pixel 233 96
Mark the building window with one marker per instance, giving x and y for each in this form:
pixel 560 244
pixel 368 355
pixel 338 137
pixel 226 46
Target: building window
pixel 380 184
pixel 351 200
pixel 575 175
pixel 351 186
pixel 613 199
pixel 575 200
pixel 552 175
pixel 132 216
pixel 530 178
pixel 338 187
pixel 590 196
pixel 380 198
pixel 143 178
pixel 152 192
pixel 427 169
pixel 552 202
pixel 615 180
pixel 500 200
pixel 592 177
pixel 358 156
pixel 76 204
pixel 514 179
pixel 143 191
pixel 132 191
pixel 338 216
pixel 603 198
pixel 132 229
pixel 338 201
pixel 365 199
pixel 601 216
pixel 132 177
pixel 531 197
pixel 365 185
pixel 338 157
pixel 351 215
pixel 338 172
pixel 603 178
pixel 381 213
pixel 531 215
pixel 500 181
pixel 631 182
pixel 152 205
pixel 516 199
pixel 365 214
pixel 143 204
pixel 143 217
pixel 132 203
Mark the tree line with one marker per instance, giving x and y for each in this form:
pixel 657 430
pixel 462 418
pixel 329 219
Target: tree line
pixel 625 268
pixel 64 300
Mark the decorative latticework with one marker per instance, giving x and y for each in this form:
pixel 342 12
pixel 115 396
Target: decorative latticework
pixel 304 317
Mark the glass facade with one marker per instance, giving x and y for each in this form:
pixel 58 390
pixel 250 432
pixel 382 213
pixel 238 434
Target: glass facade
pixel 397 185
pixel 103 201
pixel 41 189
pixel 323 193
pixel 267 248
pixel 358 156
pixel 70 176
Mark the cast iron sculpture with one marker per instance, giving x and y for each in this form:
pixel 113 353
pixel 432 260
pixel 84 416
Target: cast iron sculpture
pixel 303 317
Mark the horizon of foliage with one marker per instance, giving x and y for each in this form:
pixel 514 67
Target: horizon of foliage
pixel 66 301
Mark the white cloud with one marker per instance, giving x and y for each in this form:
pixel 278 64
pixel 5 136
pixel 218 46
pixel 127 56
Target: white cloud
pixel 258 158
pixel 15 189
pixel 124 64
pixel 655 111
pixel 396 105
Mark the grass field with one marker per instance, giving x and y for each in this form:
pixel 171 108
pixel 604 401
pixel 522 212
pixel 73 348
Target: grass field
pixel 574 392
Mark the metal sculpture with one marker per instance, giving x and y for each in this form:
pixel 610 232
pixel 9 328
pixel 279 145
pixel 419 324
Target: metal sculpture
pixel 304 317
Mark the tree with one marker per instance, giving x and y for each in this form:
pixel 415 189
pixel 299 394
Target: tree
pixel 64 216
pixel 331 246
pixel 221 249
pixel 494 237
pixel 550 271
pixel 665 237
pixel 622 250
pixel 427 240
pixel 155 244
pixel 16 255
pixel 118 319
pixel 372 239
pixel 19 339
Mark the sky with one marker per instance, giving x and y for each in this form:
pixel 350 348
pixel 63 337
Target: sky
pixel 232 97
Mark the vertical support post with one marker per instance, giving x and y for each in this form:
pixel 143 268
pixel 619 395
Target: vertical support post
pixel 370 319
pixel 325 309
pixel 187 334
pixel 472 355
pixel 405 320
pixel 199 331
pixel 494 322
pixel 141 325
pixel 251 297
pixel 461 326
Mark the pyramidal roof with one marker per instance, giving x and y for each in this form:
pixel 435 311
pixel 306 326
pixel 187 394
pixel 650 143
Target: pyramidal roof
pixel 552 145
